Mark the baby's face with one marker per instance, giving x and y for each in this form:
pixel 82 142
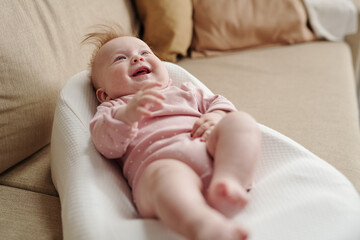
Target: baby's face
pixel 123 65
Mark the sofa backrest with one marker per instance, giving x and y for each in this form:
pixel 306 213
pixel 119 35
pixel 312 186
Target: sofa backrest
pixel 39 50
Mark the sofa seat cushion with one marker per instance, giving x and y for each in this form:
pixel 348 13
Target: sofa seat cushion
pixel 304 91
pixel 28 215
pixel 32 174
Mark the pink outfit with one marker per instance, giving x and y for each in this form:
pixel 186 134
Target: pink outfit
pixel 164 136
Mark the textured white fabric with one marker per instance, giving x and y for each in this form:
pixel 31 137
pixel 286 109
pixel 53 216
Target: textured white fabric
pixel 296 195
pixel 332 19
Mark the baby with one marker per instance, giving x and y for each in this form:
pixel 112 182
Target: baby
pixel 188 157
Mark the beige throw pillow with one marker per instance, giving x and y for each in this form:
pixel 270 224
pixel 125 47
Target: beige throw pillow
pixel 167 26
pixel 228 25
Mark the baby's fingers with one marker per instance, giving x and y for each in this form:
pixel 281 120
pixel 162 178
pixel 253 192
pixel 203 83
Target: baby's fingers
pixel 149 101
pixel 199 131
pixel 206 134
pixel 197 124
pixel 143 112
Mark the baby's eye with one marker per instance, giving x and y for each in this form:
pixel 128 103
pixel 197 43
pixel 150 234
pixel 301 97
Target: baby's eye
pixel 119 58
pixel 145 53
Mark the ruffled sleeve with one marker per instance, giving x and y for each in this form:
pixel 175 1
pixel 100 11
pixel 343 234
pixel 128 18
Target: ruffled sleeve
pixel 208 103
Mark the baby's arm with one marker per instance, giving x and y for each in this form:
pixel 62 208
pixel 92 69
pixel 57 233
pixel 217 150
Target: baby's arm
pixel 213 108
pixel 110 136
pixel 204 125
pixel 114 125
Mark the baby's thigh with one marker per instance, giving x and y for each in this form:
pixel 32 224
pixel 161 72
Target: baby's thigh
pixel 192 152
pixel 160 182
pixel 231 127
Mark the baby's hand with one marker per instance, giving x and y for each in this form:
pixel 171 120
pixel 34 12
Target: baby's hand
pixel 205 124
pixel 141 105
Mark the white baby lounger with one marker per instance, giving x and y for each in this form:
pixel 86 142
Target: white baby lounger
pixel 296 196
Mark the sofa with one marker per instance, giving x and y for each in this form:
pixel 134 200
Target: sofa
pixel 302 86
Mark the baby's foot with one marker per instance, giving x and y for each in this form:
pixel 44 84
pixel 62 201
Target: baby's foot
pixel 227 196
pixel 221 228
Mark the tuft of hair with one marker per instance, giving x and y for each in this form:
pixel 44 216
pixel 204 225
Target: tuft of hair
pixel 100 36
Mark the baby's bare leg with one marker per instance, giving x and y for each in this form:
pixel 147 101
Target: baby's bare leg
pixel 171 191
pixel 235 145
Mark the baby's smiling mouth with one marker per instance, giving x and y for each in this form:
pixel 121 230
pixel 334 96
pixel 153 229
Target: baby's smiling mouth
pixel 141 71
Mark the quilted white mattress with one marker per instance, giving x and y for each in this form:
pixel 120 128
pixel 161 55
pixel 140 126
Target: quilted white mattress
pixel 296 195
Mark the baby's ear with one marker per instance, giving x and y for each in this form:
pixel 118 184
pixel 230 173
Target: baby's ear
pixel 101 95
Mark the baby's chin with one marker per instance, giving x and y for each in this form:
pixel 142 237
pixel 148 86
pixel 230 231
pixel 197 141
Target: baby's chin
pixel 164 83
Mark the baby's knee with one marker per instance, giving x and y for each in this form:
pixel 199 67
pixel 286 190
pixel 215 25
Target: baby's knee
pixel 240 121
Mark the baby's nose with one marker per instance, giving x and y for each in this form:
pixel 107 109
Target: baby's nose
pixel 136 59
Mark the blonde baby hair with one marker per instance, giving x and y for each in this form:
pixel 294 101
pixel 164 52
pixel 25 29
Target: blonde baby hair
pixel 102 34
